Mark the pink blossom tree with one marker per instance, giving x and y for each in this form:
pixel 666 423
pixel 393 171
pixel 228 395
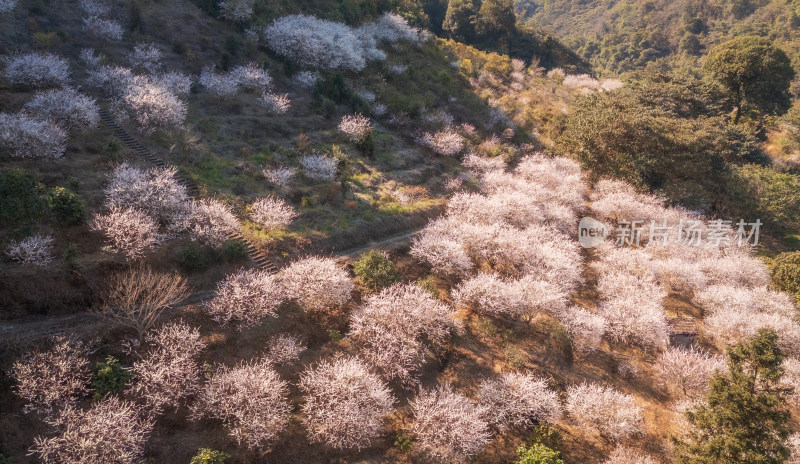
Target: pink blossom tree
pixel 250 400
pixel 448 427
pixel 212 222
pixel 345 404
pixel 518 400
pixel 395 327
pixel 356 127
pixel 284 349
pixel 612 414
pixel 688 371
pixel 112 431
pixel 625 455
pixel 246 297
pixel 168 371
pixel 130 231
pixel 49 380
pixel 316 283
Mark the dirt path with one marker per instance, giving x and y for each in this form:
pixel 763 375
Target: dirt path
pixel 392 241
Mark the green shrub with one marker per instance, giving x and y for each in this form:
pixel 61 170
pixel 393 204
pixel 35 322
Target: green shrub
pixel 429 283
pixel 786 272
pixel 111 377
pixel 762 192
pixel 234 250
pixel 538 454
pixel 333 87
pixel 67 207
pixel 209 456
pixel 23 200
pixel 113 148
pixel 404 442
pixel 335 335
pixel 69 255
pixel 376 270
pixel 192 258
pixel 5 459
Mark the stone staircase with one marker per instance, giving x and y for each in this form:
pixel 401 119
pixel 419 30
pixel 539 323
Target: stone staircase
pixel 258 258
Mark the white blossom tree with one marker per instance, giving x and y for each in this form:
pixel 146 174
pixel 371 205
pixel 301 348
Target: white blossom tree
pixel 146 57
pixel 448 427
pixel 155 191
pixel 250 400
pixel 518 400
pixel 276 103
pixel 35 69
pixel 102 28
pixel 66 106
pixel 612 414
pixel 152 105
pixel 168 371
pixel 319 167
pixel 236 10
pixel 36 250
pixel 246 297
pixel 272 213
pixel 345 404
pixel 280 176
pixel 316 283
pixel 30 137
pixel 356 127
pixel 49 380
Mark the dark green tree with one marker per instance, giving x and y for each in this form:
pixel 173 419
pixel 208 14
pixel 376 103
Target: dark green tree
pixel 756 73
pixel 376 270
pixel 23 199
pixel 745 420
pixel 496 20
pixel 459 21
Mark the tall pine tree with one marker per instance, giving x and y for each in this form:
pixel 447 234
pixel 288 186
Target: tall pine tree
pixel 745 420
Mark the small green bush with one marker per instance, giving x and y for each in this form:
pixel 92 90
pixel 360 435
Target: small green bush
pixel 23 199
pixel 209 456
pixel 376 270
pixel 67 207
pixel 429 283
pixel 191 258
pixel 5 459
pixel 404 442
pixel 111 377
pixel 537 453
pixel 69 255
pixel 335 335
pixel 113 148
pixel 786 272
pixel 234 250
